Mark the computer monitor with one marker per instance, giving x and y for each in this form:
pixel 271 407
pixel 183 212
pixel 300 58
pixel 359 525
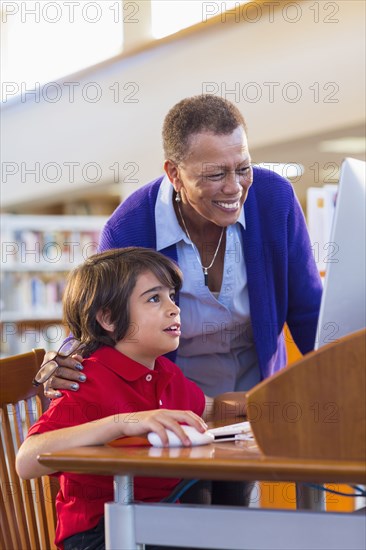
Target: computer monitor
pixel 343 305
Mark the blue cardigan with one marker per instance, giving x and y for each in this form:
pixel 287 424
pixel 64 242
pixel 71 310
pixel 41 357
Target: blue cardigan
pixel 283 280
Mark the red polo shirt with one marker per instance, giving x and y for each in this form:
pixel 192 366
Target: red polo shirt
pixel 115 384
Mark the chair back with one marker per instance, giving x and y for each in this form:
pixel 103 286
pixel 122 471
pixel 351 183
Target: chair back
pixel 27 509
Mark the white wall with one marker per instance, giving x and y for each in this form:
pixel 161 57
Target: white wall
pixel 327 54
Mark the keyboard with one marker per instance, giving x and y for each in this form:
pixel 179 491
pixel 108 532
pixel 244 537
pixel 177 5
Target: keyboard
pixel 241 430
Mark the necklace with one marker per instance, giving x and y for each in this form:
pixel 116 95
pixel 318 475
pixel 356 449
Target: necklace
pixel 204 268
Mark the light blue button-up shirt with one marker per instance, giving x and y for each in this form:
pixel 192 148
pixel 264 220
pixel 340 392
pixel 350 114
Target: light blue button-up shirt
pixel 216 347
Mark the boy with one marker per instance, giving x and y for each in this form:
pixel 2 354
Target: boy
pixel 120 305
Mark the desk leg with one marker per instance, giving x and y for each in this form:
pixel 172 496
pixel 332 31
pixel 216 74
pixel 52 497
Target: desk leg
pixel 309 498
pixel 119 517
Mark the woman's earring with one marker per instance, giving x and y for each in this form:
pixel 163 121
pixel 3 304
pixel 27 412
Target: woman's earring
pixel 178 198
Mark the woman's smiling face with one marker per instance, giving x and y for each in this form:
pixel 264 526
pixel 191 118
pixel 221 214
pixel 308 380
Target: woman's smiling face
pixel 215 177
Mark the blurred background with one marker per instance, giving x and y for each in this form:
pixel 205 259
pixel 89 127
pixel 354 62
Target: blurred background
pixel 86 85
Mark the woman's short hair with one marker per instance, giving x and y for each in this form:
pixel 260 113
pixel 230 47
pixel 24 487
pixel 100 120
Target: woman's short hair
pixel 104 282
pixel 201 113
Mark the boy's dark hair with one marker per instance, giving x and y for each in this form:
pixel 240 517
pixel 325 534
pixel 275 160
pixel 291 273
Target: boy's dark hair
pixel 104 282
pixel 201 113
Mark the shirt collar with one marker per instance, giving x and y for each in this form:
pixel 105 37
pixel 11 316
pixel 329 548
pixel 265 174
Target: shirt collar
pixel 122 365
pixel 168 230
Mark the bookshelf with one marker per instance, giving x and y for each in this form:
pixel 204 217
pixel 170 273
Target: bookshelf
pixel 37 252
pixel 320 211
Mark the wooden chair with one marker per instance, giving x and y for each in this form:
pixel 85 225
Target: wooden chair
pixel 27 510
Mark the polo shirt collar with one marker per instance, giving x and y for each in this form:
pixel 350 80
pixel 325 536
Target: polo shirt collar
pixel 168 230
pixel 124 366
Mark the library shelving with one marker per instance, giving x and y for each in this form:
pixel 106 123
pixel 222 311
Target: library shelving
pixel 37 252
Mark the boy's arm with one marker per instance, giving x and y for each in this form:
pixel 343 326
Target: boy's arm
pixel 101 431
pixel 226 406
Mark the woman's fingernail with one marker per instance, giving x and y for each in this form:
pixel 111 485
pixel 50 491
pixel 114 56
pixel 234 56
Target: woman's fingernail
pixel 58 394
pixel 79 366
pixel 74 386
pixel 82 377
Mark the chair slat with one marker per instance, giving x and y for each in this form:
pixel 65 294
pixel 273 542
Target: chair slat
pixel 30 513
pixel 6 539
pixel 41 512
pixel 8 516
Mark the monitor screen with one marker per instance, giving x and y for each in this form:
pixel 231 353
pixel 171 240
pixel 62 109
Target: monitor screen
pixel 343 306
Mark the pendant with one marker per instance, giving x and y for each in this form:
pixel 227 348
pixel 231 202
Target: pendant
pixel 205 273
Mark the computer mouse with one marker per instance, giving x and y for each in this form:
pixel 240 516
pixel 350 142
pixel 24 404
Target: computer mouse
pixel 196 437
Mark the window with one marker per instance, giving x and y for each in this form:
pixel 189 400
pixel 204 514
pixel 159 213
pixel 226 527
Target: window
pixel 45 41
pixel 170 17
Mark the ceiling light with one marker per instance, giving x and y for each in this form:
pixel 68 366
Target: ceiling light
pixel 346 145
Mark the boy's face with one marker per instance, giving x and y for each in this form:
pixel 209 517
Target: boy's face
pixel 154 321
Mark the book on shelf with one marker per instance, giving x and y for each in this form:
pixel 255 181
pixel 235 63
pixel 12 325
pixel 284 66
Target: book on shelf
pixel 37 252
pixel 68 248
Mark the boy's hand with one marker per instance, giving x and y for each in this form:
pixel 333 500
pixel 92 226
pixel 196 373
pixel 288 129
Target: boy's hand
pixel 160 420
pixel 67 376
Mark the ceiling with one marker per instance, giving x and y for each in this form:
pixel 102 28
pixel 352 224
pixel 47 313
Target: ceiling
pixel 320 166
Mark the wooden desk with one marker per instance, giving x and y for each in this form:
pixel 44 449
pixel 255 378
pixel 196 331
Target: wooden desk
pixel 128 525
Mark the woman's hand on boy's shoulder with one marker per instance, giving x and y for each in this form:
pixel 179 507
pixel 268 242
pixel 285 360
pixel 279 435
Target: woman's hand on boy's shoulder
pixel 160 420
pixel 67 376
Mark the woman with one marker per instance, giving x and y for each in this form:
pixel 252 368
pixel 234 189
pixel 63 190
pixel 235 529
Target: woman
pixel 240 238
